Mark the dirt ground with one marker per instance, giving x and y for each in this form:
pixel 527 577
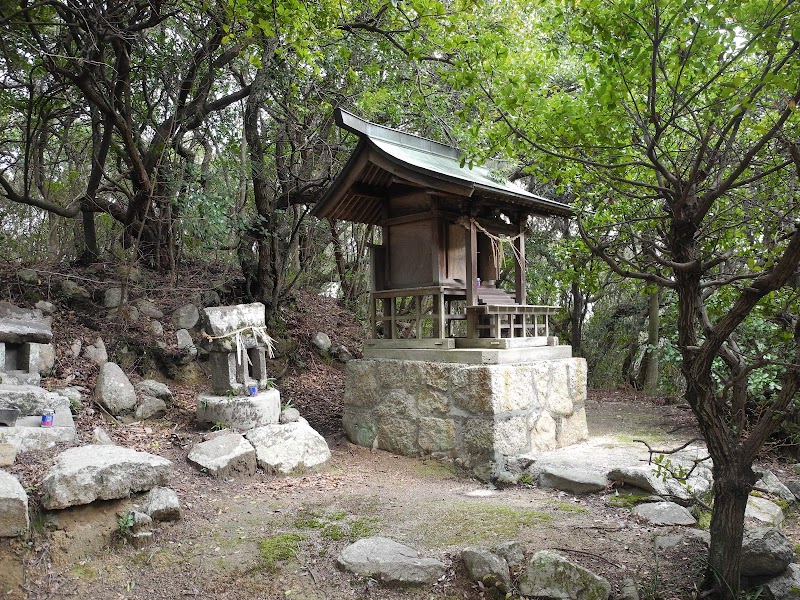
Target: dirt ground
pixel 214 550
pixel 225 545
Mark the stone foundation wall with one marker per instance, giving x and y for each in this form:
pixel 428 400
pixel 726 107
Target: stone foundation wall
pixel 486 417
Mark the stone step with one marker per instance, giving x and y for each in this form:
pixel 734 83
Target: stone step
pixel 31 399
pixel 28 433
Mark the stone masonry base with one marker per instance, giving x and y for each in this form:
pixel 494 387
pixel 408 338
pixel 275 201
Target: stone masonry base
pixel 486 417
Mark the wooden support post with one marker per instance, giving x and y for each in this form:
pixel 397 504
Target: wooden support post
pixel 471 248
pixel 372 301
pixel 521 294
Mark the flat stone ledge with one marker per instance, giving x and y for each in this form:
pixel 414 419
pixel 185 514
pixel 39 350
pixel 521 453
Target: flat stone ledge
pixel 472 356
pixel 241 413
pixel 28 434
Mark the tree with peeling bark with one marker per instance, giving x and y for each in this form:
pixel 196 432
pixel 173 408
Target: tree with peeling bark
pixel 677 131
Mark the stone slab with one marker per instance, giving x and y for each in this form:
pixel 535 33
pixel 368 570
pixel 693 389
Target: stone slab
pixel 390 561
pixel 28 434
pixel 575 480
pixel 224 320
pixel 14 519
pixel 473 356
pixel 664 513
pixel 239 412
pixel 31 399
pixel 286 448
pixel 224 456
pixel 763 510
pixel 18 331
pixel 97 472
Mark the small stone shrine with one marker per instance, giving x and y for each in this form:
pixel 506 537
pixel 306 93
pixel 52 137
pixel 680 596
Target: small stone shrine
pixel 459 364
pixel 25 337
pixel 238 345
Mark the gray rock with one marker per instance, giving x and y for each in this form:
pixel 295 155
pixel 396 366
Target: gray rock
pixel 389 561
pixel 285 448
pixel 572 479
pixel 341 353
pixel 19 331
pixel 72 291
pixel 112 297
pixel 552 576
pixel 101 438
pixel 763 510
pixel 162 504
pixel 487 567
pixel 322 342
pixel 664 542
pixel 770 482
pixel 765 551
pixel 224 320
pixel 13 507
pixel 8 454
pixel 645 477
pixel 75 348
pixel 46 307
pixel 185 317
pixel 150 407
pixel 141 521
pixel 31 399
pixel 700 534
pixel 785 586
pixel 794 487
pixel 114 390
pixel 664 513
pixel 155 328
pixel 209 298
pixel 128 272
pixel 96 352
pixel 128 312
pixel 28 276
pixel 239 412
pixel 151 387
pixel 98 472
pixel 629 590
pixel 47 359
pixel 289 415
pixel 512 551
pixel 224 456
pixel 148 309
pixel 185 345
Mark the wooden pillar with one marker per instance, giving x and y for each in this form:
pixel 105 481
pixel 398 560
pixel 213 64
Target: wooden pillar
pixel 471 249
pixel 519 265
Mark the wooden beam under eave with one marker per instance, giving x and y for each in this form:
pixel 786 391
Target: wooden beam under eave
pixel 404 174
pixel 343 184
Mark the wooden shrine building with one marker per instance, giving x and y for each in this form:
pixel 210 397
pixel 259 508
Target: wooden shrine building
pixel 444 228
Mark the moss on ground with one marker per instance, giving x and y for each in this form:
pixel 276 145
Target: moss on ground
pixel 277 548
pixel 626 499
pixel 468 523
pixel 566 506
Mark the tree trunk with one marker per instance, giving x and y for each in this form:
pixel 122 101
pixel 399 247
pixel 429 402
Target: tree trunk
pixel 90 252
pixel 576 319
pixel 733 480
pixel 651 356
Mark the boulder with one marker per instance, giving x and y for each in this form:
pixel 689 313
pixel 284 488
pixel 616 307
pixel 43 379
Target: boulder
pixel 285 448
pixel 151 387
pixel 155 328
pixel 770 482
pixel 148 309
pixel 322 342
pixel 101 438
pixel 8 454
pixel 664 513
pixel 112 297
pixel 99 472
pixel 114 390
pixel 46 307
pixel 13 507
pixel 645 477
pixel 764 511
pixel 209 298
pixel 550 575
pixel 72 291
pixel 485 566
pixel 512 551
pixel 572 479
pixel 96 352
pixel 150 407
pixel 224 456
pixel 28 276
pixel 31 399
pixel 785 586
pixel 289 415
pixel 389 561
pixel 185 317
pixel 765 551
pixel 239 412
pixel 185 345
pixel 161 504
